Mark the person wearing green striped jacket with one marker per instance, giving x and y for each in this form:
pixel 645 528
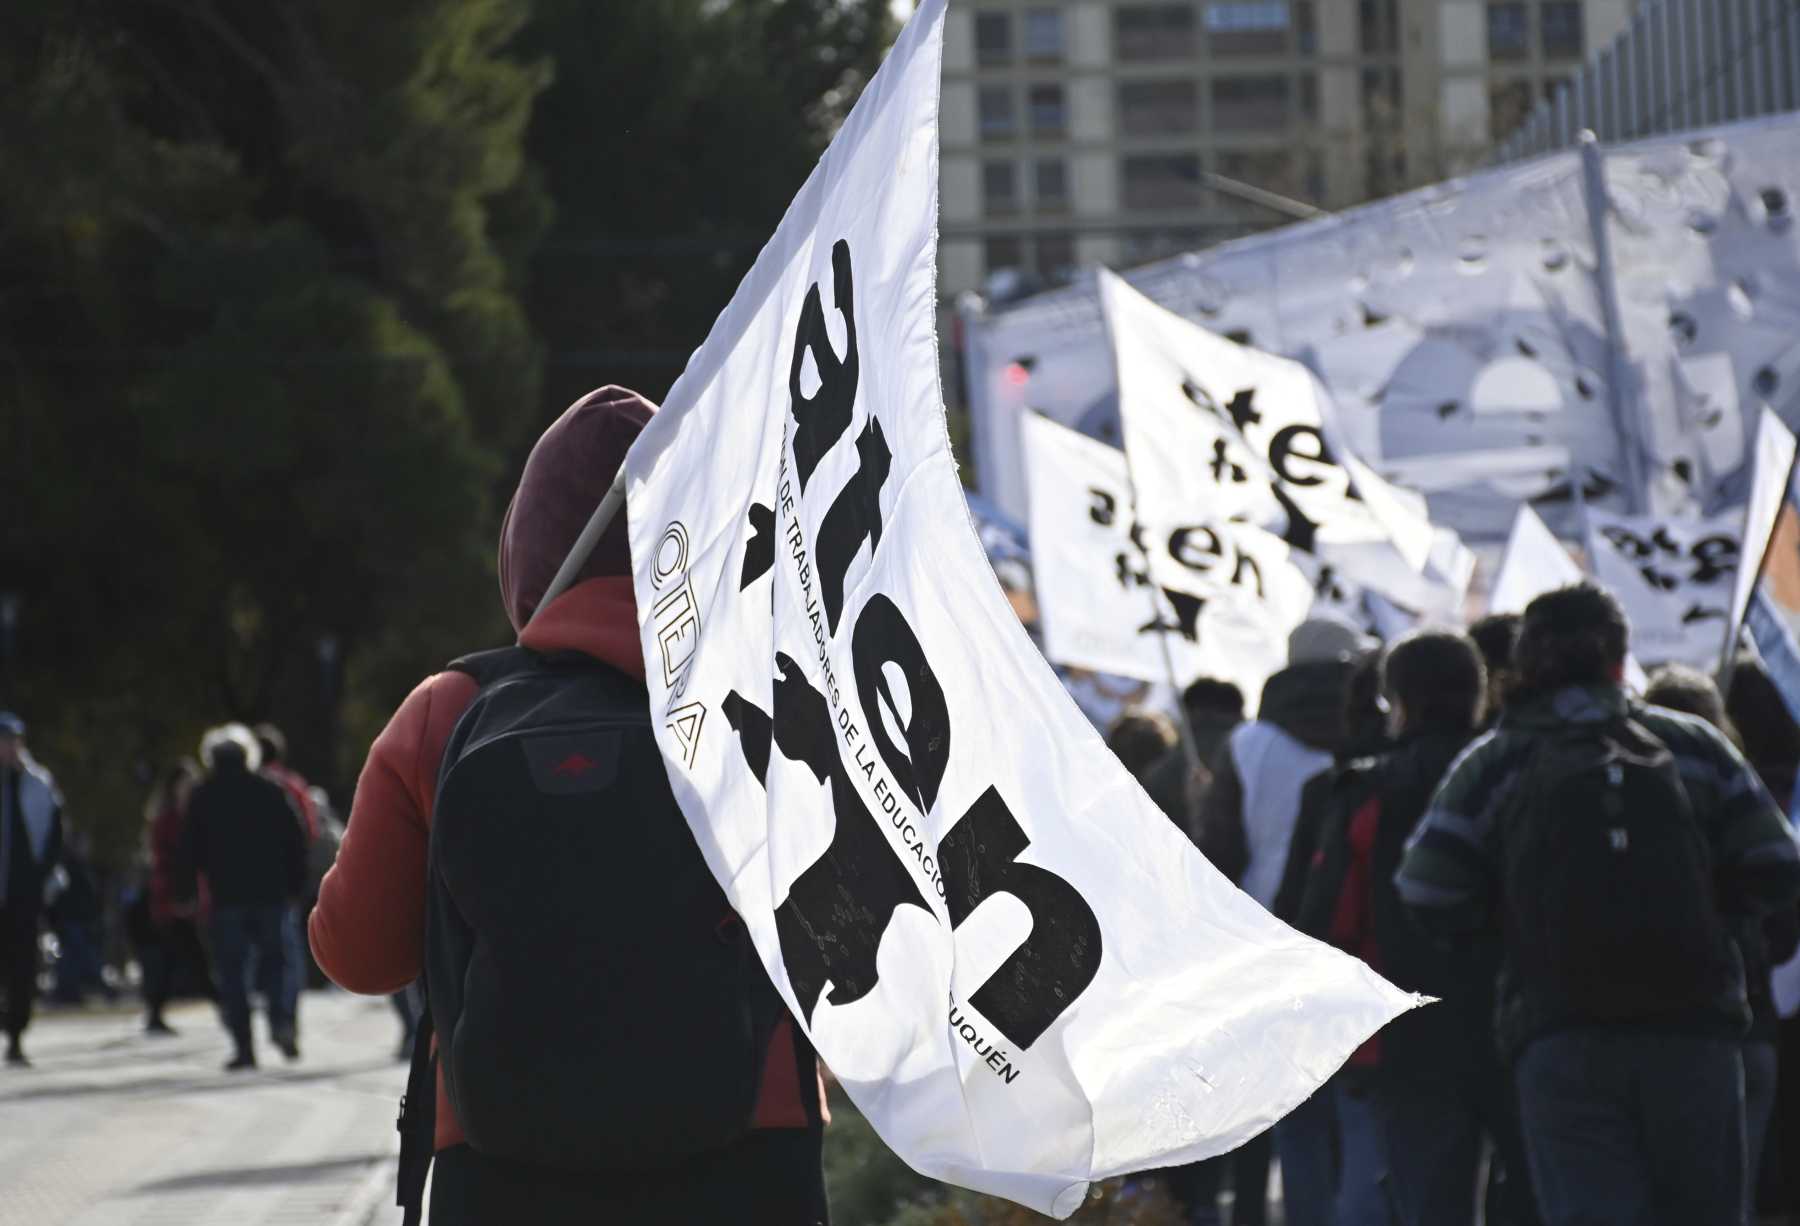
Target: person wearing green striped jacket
pixel 1613 847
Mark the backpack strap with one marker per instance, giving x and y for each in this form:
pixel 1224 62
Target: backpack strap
pixel 487 667
pixel 417 1124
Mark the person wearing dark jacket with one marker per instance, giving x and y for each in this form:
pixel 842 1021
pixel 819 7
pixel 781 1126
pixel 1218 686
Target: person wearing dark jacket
pixel 31 840
pixel 368 929
pixel 1247 821
pixel 1623 1019
pixel 1417 1099
pixel 245 839
pixel 1771 741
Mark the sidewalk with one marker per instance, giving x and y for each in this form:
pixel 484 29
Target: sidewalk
pixel 112 1128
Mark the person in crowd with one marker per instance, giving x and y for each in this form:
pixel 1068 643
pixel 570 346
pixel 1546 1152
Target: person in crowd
pixel 1495 636
pixel 1771 742
pixel 1613 844
pixel 1141 739
pixel 1247 822
pixel 31 840
pixel 163 923
pixel 75 909
pixel 244 839
pixel 1415 1102
pixel 1763 945
pixel 272 743
pixel 370 930
pixel 1178 783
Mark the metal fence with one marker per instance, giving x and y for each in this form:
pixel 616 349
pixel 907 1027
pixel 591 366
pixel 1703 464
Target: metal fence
pixel 1683 64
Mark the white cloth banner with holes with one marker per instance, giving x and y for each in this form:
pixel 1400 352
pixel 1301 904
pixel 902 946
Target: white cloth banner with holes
pixel 1020 970
pixel 1225 599
pixel 1674 577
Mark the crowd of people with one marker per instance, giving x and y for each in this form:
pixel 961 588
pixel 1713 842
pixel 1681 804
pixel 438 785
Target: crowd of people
pixel 1595 887
pixel 235 844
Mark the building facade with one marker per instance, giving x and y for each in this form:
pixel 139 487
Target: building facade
pixel 1089 131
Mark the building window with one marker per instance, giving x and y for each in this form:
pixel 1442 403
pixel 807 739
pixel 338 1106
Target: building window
pixel 1002 251
pixel 1161 181
pixel 1309 95
pixel 1508 105
pixel 993 39
pixel 1381 93
pixel 1509 34
pixel 994 106
pixel 1154 32
pixel 1050 185
pixel 1315 178
pixel 1247 27
pixel 1306 33
pixel 1049 110
pixel 1563 39
pixel 1043 36
pixel 1153 108
pixel 1378 24
pixel 999 188
pixel 1055 256
pixel 1250 104
pixel 1552 86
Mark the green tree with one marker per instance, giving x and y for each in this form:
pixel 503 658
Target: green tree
pixel 260 319
pixel 672 141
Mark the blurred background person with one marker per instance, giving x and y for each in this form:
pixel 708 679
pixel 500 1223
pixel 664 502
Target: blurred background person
pixel 244 839
pixel 164 924
pixel 31 841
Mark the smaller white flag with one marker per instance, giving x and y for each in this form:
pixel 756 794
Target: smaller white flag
pixel 1170 605
pixel 1774 461
pixel 1534 563
pixel 1675 578
pixel 1211 423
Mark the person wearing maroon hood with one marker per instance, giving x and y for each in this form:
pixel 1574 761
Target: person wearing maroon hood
pixel 368 929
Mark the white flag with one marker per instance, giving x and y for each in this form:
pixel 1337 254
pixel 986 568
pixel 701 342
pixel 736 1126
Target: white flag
pixel 1212 423
pixel 1020 970
pixel 1774 463
pixel 1534 563
pixel 1675 577
pixel 1221 605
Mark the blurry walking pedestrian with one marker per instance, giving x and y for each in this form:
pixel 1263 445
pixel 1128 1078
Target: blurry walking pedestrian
pixel 244 839
pixel 31 835
pixel 165 924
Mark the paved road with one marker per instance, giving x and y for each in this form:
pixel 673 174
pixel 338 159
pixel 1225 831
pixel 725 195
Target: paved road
pixel 112 1128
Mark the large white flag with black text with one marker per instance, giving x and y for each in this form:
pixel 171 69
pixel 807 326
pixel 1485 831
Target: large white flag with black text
pixel 1019 969
pixel 1676 578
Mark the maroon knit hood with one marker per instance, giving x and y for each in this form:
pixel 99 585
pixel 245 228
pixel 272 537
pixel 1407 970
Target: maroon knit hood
pixel 565 478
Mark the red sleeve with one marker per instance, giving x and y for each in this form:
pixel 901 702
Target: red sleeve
pixel 368 929
pixel 1351 929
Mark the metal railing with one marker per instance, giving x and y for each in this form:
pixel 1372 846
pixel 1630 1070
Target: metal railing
pixel 1682 64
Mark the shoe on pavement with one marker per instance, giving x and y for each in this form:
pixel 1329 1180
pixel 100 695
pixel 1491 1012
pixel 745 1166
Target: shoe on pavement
pixel 288 1045
pixel 15 1055
pixel 240 1062
pixel 159 1028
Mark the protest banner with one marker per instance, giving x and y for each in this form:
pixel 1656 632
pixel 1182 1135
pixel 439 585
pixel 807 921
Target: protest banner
pixel 1674 575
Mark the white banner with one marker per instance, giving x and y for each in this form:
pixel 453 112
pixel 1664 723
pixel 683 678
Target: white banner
pixel 1214 424
pixel 1020 970
pixel 1224 598
pixel 1534 563
pixel 1674 577
pixel 1774 463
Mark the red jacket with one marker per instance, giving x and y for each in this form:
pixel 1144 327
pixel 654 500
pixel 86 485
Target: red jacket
pixel 368 929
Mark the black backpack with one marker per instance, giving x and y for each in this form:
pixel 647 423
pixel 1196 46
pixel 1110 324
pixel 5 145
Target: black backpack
pixel 597 1003
pixel 1608 901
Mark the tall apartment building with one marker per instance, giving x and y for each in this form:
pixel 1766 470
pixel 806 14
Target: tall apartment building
pixel 1084 131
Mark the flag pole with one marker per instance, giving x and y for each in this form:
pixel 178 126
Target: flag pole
pixel 583 548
